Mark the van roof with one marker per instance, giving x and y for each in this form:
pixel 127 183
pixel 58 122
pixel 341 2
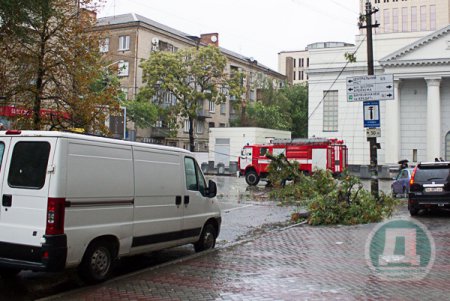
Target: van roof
pixel 19 133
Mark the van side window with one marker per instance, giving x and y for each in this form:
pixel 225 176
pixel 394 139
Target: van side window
pixel 194 177
pixel 29 165
pixel 2 150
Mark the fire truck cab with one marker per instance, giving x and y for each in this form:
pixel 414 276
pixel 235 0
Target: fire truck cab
pixel 311 154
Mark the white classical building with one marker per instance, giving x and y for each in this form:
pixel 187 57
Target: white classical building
pixel 414 125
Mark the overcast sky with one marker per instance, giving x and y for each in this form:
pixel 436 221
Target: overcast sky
pixel 255 28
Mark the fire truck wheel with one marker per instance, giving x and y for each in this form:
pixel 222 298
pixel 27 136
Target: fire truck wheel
pixel 252 178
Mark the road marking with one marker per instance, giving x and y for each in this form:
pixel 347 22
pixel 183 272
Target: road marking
pixel 237 208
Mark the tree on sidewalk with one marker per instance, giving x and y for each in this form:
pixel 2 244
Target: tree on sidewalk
pixel 192 76
pixel 51 63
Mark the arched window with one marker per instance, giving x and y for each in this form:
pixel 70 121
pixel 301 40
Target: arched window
pixel 447 147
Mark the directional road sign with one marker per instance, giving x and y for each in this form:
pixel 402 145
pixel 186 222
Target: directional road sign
pixel 370 87
pixel 371 114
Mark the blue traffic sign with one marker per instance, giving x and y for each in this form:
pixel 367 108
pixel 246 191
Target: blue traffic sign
pixel 371 114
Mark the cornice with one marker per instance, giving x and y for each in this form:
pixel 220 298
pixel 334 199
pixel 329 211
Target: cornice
pixel 418 44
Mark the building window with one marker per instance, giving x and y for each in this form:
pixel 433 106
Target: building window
pixel 158 124
pixel 222 125
pixel 423 18
pixel 164 46
pixel 404 19
pixel 387 20
pixel 123 68
pixel 104 45
pixel 294 62
pixel 413 18
pixel 395 19
pixel 212 106
pixel 186 126
pixel 124 43
pixel 294 75
pixel 432 17
pixel 307 62
pixel 124 93
pixel 223 108
pixel 330 111
pixel 200 127
pixel 211 125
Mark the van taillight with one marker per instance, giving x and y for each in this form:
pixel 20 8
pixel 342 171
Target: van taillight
pixel 413 174
pixel 55 216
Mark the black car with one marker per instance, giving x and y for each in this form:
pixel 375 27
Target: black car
pixel 429 187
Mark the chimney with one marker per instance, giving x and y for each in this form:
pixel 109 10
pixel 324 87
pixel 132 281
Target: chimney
pixel 210 39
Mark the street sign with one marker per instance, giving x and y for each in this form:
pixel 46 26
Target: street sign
pixel 373 132
pixel 370 87
pixel 371 114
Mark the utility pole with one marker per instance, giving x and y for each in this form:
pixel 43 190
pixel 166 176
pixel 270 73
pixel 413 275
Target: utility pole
pixel 370 71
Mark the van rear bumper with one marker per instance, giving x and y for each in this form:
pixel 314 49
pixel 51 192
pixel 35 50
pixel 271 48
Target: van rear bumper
pixel 50 257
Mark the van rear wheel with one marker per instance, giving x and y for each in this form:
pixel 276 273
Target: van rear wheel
pixel 97 263
pixel 207 239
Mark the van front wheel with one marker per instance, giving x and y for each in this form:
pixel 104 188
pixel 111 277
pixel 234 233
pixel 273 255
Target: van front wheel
pixel 207 239
pixel 97 262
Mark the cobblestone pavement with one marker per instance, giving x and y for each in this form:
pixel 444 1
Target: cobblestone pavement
pixel 294 263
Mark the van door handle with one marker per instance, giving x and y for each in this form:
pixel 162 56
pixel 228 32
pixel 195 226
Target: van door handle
pixel 186 199
pixel 7 200
pixel 178 200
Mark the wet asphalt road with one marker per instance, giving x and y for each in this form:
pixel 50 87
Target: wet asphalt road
pixel 246 212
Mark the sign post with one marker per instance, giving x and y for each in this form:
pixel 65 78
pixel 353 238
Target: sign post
pixel 370 89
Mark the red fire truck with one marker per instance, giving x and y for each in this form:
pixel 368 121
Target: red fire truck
pixel 320 153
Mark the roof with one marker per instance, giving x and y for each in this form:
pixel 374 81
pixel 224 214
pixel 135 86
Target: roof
pixel 395 56
pixel 56 134
pixel 133 18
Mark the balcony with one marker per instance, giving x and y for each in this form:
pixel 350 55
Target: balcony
pixel 203 114
pixel 159 132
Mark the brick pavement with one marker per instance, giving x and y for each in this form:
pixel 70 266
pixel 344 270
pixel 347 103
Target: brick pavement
pixel 296 263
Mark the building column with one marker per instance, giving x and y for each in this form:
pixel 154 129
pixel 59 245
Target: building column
pixel 392 128
pixel 433 118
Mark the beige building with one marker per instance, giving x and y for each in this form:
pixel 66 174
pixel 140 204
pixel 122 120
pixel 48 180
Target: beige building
pixel 409 15
pixel 131 38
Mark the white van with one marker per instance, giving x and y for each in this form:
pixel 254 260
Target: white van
pixel 71 200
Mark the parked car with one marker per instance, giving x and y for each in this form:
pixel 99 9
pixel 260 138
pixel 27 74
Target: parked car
pixel 429 187
pixel 400 186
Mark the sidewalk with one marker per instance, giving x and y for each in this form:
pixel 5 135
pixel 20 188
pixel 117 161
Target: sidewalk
pixel 296 263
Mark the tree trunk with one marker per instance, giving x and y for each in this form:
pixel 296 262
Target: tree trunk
pixel 191 135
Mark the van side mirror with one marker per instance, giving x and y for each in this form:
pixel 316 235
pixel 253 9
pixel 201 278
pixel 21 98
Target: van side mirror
pixel 212 189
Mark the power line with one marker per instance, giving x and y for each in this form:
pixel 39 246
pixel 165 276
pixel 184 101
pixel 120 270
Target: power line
pixel 334 82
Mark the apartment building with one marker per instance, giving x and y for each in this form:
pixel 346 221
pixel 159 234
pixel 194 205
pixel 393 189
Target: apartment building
pixel 131 38
pixel 294 64
pixel 412 44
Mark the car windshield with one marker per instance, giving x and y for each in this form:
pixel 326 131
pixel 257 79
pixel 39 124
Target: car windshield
pixel 432 174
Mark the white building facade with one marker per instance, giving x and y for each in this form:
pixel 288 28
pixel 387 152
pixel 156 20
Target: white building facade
pixel 414 125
